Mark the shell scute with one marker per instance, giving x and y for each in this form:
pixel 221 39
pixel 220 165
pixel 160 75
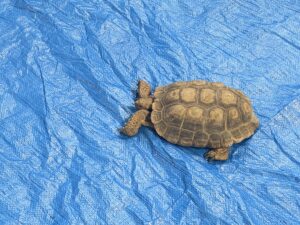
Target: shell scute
pixel 157 106
pixel 233 118
pixel 174 115
pixel 156 117
pixel 200 139
pixel 194 119
pixel 172 96
pixel 188 95
pixel 186 138
pixel 208 96
pixel 172 134
pixel 228 98
pixel 246 110
pixel 198 82
pixel 216 120
pixel 214 141
pixel 160 128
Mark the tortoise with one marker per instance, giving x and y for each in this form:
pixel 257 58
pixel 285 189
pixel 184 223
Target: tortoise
pixel 195 113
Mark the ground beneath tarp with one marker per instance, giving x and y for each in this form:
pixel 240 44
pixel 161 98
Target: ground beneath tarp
pixel 69 71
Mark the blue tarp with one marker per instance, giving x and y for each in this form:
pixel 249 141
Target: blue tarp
pixel 69 72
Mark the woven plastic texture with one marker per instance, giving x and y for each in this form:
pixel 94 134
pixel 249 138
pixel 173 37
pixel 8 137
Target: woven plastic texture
pixel 68 77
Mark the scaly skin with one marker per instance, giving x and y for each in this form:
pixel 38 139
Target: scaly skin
pixel 141 117
pixel 135 122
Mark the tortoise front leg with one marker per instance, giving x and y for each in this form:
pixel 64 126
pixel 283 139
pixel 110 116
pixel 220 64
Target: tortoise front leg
pixel 135 122
pixel 217 154
pixel 144 100
pixel 144 89
pixel 147 121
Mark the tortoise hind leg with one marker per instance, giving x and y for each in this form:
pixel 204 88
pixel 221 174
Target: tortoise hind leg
pixel 135 122
pixel 217 154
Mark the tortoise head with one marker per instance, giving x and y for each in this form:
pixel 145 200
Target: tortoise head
pixel 144 103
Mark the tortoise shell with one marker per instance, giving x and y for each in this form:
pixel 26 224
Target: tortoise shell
pixel 202 114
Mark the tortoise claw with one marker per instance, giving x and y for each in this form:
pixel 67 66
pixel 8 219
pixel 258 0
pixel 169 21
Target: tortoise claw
pixel 217 154
pixel 208 156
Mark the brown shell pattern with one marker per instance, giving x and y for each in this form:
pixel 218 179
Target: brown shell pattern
pixel 202 114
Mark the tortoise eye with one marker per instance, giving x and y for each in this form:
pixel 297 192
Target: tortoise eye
pixel 171 117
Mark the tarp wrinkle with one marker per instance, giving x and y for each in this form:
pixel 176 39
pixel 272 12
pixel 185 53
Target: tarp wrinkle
pixel 69 74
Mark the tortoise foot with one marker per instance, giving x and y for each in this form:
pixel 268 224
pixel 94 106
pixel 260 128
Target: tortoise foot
pixel 217 154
